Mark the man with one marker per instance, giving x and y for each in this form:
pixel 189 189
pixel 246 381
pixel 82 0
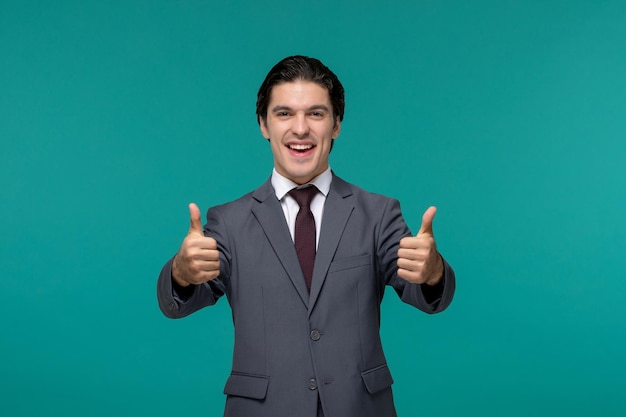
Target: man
pixel 306 312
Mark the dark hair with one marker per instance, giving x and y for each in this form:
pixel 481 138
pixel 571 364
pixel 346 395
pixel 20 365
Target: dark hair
pixel 300 67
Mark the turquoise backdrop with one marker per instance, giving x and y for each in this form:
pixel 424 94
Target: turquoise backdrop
pixel 510 116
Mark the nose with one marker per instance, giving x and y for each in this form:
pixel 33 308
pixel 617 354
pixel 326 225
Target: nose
pixel 300 125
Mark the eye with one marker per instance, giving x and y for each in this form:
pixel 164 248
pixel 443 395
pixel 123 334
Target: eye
pixel 317 114
pixel 282 114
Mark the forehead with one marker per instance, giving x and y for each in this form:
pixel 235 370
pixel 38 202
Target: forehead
pixel 299 93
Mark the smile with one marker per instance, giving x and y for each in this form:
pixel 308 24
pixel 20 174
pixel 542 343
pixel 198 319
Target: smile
pixel 300 147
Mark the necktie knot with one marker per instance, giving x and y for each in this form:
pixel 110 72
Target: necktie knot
pixel 304 196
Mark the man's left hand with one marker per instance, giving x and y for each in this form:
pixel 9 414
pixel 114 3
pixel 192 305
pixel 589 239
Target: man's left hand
pixel 418 259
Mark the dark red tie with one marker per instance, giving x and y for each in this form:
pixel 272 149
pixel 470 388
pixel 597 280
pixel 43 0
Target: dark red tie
pixel 304 236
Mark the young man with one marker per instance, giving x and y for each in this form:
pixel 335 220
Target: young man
pixel 305 276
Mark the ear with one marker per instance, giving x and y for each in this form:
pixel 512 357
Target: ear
pixel 263 126
pixel 336 128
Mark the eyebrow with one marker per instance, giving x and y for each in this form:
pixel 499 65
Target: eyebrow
pixel 313 107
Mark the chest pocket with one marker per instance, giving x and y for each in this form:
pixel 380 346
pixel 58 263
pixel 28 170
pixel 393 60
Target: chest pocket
pixel 350 262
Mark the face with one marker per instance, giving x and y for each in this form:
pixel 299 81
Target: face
pixel 300 128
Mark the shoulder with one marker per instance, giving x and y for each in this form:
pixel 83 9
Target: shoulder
pixel 246 202
pixel 235 207
pixel 359 194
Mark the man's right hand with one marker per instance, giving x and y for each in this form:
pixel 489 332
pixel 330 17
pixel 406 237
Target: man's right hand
pixel 198 259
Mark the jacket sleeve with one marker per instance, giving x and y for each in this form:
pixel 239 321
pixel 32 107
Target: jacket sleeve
pixel 175 303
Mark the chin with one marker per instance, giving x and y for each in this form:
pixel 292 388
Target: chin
pixel 301 179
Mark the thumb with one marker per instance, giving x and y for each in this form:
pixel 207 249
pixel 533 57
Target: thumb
pixel 427 221
pixel 195 227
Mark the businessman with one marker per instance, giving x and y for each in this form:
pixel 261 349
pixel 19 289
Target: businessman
pixel 304 261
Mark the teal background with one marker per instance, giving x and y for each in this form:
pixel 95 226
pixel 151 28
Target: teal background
pixel 507 115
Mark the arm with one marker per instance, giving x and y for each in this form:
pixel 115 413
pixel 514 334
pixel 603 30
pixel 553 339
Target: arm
pixel 431 298
pixel 412 265
pixel 176 301
pixel 191 280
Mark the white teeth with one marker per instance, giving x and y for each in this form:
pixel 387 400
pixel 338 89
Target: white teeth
pixel 300 147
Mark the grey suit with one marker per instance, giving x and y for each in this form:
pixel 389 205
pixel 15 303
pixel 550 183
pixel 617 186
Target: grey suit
pixel 294 349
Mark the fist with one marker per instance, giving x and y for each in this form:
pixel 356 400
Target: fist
pixel 198 259
pixel 418 259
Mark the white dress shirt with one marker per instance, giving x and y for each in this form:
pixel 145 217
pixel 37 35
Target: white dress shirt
pixel 290 206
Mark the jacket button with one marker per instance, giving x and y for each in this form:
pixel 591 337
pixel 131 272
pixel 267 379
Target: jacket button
pixel 312 384
pixel 315 335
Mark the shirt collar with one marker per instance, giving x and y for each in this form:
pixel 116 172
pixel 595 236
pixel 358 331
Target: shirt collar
pixel 283 185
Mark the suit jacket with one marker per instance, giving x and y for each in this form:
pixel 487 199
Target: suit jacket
pixel 294 349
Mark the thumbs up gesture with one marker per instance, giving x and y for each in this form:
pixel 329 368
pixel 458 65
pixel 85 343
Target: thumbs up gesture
pixel 418 259
pixel 198 259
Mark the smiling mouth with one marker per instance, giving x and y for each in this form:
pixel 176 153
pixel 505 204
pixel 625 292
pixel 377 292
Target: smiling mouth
pixel 300 147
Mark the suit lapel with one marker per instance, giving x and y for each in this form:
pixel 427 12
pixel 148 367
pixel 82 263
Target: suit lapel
pixel 270 216
pixel 337 210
